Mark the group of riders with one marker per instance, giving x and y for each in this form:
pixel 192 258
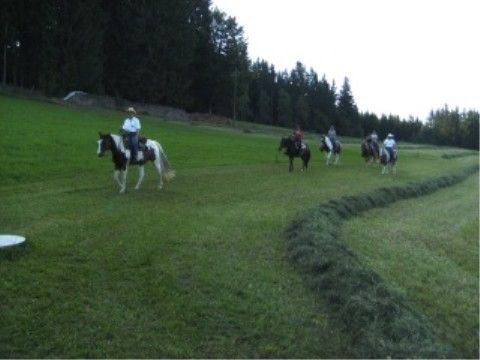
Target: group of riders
pixel 371 141
pixel 131 129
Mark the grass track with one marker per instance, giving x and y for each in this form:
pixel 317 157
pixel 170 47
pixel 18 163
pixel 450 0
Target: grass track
pixel 197 270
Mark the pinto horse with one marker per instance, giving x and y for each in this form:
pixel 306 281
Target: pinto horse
pixel 327 146
pixel 389 162
pixel 152 151
pixel 292 151
pixel 370 151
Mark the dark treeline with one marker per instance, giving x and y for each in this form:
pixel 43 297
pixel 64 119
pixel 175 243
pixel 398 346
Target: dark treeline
pixel 184 54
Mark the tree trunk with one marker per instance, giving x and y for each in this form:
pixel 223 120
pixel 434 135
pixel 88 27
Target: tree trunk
pixel 4 78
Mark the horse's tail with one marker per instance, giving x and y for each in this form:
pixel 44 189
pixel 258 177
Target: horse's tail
pixel 168 173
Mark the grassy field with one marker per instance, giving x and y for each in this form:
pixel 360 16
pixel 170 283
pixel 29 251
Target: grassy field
pixel 429 250
pixel 198 269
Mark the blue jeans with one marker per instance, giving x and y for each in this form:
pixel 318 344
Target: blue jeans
pixel 133 144
pixel 390 153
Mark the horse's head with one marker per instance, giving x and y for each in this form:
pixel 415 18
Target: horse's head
pixel 104 143
pixel 325 144
pixel 284 141
pixel 365 149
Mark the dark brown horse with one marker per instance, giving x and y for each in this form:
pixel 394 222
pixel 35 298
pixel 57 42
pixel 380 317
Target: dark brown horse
pixel 293 151
pixel 370 151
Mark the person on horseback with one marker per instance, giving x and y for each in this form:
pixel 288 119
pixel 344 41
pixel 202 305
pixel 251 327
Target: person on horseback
pixel 373 140
pixel 390 145
pixel 297 137
pixel 332 135
pixel 131 127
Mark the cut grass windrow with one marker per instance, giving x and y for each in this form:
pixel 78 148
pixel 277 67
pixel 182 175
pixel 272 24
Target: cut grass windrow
pixel 379 319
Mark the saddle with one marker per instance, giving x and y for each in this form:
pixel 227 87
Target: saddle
pixel 142 142
pixel 300 146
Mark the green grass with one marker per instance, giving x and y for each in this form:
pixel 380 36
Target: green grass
pixel 199 269
pixel 428 249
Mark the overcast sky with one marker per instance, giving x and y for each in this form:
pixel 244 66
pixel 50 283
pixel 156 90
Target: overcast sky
pixel 403 57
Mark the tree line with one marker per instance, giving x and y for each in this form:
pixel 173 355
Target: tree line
pixel 183 53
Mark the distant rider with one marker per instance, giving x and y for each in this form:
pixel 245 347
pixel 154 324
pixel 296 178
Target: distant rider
pixel 298 137
pixel 131 127
pixel 390 145
pixel 332 135
pixel 374 141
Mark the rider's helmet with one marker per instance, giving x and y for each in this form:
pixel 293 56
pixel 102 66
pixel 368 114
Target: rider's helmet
pixel 390 136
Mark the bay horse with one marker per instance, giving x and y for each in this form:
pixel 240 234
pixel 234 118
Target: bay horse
pixel 370 151
pixel 389 162
pixel 327 146
pixel 152 151
pixel 292 152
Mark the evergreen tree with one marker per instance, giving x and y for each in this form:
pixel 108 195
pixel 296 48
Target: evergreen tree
pixel 347 112
pixel 231 64
pixel 71 49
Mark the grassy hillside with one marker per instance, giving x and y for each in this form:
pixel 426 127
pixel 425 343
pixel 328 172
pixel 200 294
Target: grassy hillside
pixel 198 269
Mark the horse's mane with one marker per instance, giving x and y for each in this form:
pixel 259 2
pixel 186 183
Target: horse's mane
pixel 118 141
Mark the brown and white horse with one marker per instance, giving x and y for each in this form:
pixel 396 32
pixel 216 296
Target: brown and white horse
pixel 389 162
pixel 327 146
pixel 121 158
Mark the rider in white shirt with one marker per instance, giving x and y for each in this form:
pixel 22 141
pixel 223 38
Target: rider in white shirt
pixel 332 135
pixel 390 145
pixel 131 126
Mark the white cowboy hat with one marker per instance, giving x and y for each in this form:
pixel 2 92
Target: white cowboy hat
pixel 131 110
pixel 390 135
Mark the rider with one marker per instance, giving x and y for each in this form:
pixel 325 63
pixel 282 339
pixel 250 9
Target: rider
pixel 131 127
pixel 374 140
pixel 332 135
pixel 298 137
pixel 390 145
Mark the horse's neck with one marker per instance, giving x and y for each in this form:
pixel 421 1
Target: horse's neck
pixel 328 143
pixel 118 142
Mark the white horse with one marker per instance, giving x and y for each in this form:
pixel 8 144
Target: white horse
pixel 121 158
pixel 389 162
pixel 327 146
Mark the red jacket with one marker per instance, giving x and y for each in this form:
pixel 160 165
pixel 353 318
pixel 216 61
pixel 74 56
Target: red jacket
pixel 297 134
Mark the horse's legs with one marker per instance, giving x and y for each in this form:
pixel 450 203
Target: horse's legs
pixel 116 173
pixel 290 167
pixel 328 157
pixel 123 182
pixel 158 166
pixel 337 157
pixel 141 174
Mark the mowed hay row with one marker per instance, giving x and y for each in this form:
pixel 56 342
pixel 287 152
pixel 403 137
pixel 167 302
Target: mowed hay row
pixel 379 319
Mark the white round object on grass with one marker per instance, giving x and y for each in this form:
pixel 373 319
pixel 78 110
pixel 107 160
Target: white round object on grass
pixel 11 240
